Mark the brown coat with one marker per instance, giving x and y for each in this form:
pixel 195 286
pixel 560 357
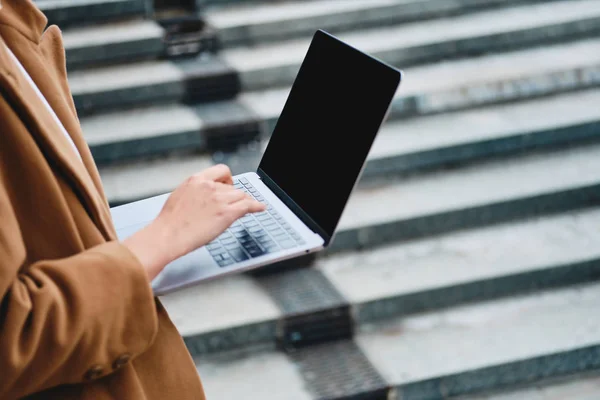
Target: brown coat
pixel 77 317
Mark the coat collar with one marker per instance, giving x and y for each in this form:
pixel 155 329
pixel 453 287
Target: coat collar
pixel 23 16
pixel 42 56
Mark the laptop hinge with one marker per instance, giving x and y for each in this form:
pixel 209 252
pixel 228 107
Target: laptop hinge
pixel 296 209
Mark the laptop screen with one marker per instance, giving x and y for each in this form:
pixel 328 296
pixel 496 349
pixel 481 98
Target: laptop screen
pixel 323 136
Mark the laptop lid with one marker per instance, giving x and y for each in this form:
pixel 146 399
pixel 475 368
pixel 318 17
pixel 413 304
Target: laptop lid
pixel 320 143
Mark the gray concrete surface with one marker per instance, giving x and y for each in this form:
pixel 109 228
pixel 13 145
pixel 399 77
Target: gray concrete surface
pixel 255 23
pixel 66 13
pixel 575 388
pixel 505 259
pixel 139 179
pixel 267 65
pixel 438 355
pixel 464 83
pixel 485 124
pixel 430 356
pixel 218 305
pixel 473 186
pixel 265 376
pixel 113 42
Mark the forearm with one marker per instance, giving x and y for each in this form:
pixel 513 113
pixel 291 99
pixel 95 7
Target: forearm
pixel 151 247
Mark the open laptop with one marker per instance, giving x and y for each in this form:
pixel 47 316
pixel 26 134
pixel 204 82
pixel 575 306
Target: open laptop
pixel 338 102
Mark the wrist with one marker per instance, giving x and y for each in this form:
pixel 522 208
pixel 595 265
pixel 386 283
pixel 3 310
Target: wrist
pixel 150 246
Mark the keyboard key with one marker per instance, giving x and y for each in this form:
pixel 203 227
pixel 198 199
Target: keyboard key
pixel 244 180
pixel 280 236
pixel 232 246
pixel 296 236
pixel 238 254
pixel 238 228
pixel 251 224
pixel 263 238
pixel 225 263
pixel 265 241
pixel 225 256
pixel 213 246
pixel 225 235
pixel 227 241
pixel 246 239
pixel 271 246
pixel 275 230
pixel 256 229
pixel 255 251
pixel 269 222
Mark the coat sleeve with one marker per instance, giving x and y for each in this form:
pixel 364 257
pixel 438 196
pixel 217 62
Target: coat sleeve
pixel 68 320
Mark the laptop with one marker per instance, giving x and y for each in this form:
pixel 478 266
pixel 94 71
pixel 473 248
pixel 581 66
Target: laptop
pixel 339 100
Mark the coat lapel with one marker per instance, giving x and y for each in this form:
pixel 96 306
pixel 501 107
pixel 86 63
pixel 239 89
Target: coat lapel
pixel 21 27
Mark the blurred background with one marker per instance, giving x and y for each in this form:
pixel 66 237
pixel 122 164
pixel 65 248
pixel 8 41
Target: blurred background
pixel 468 260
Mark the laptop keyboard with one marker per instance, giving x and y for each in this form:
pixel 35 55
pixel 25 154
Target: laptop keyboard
pixel 253 235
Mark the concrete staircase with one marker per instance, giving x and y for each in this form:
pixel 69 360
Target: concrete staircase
pixel 468 260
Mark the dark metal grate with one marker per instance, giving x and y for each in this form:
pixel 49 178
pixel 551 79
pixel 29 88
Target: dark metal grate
pixel 302 291
pixel 314 311
pixel 340 370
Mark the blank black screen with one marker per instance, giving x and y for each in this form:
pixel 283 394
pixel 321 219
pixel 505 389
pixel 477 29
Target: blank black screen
pixel 330 120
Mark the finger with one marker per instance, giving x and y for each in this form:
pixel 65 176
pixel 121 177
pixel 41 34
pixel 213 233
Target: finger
pixel 218 173
pixel 231 196
pixel 224 187
pixel 245 206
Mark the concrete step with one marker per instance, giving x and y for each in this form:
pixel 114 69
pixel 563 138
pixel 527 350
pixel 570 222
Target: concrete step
pixel 384 211
pixel 438 355
pixel 402 146
pixel 127 86
pixel 580 387
pixel 66 13
pixel 405 146
pixel 244 23
pixel 113 42
pixel 427 90
pixel 472 82
pixel 488 346
pixel 394 281
pixel 438 141
pixel 138 180
pixel 268 65
pixel 163 130
pixel 476 195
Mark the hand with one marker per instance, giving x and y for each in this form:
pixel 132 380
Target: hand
pixel 198 211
